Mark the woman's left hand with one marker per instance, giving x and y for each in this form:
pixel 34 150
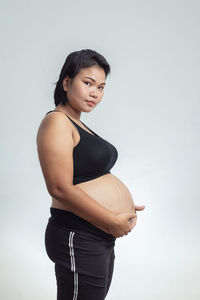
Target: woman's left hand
pixel 133 220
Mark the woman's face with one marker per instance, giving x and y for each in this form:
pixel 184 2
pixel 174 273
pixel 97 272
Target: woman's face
pixel 87 85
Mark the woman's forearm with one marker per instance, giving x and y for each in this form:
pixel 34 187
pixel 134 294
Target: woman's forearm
pixel 81 204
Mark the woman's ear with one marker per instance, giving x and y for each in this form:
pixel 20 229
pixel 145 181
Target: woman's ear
pixel 66 83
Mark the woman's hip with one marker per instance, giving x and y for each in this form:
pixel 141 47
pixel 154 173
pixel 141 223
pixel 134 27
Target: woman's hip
pixel 78 251
pixel 67 234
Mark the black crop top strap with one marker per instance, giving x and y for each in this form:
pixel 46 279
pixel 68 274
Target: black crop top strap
pixel 93 156
pixel 77 126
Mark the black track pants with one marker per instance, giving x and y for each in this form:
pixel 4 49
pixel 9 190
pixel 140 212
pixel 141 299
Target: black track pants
pixel 83 256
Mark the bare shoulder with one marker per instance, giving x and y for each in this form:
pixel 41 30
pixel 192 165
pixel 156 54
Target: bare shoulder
pixel 53 123
pixel 55 146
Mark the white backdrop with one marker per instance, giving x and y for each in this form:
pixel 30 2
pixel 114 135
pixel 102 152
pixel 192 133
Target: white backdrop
pixel 150 112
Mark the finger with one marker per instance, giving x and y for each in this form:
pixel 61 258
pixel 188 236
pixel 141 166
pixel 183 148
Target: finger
pixel 134 222
pixel 131 216
pixel 141 207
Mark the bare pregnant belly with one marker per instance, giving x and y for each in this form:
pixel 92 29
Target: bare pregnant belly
pixel 109 191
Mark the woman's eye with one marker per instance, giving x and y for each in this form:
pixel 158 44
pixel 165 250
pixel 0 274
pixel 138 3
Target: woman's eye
pixel 87 82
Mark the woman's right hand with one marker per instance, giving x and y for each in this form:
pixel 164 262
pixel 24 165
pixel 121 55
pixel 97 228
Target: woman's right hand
pixel 123 224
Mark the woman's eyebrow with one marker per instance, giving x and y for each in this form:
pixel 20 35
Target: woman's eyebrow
pixel 94 79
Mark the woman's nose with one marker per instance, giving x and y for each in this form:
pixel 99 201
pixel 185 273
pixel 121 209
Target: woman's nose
pixel 94 93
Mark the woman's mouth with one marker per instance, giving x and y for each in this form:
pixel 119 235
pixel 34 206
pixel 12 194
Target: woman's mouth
pixel 90 103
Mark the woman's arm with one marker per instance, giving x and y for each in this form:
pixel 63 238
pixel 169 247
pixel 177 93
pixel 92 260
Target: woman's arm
pixel 86 207
pixel 55 150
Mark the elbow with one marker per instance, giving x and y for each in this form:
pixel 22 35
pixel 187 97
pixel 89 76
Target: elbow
pixel 58 192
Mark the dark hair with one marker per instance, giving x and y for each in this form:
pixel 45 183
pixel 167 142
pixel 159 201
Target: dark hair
pixel 74 62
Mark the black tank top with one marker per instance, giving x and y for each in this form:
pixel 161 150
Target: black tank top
pixel 92 156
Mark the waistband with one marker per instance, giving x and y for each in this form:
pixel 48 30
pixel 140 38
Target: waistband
pixel 72 221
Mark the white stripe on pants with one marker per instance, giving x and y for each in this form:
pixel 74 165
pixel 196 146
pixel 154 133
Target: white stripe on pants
pixel 73 267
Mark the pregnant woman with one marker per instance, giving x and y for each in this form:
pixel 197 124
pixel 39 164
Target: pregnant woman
pixel 90 206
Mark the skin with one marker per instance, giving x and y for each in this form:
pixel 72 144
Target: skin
pixel 79 91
